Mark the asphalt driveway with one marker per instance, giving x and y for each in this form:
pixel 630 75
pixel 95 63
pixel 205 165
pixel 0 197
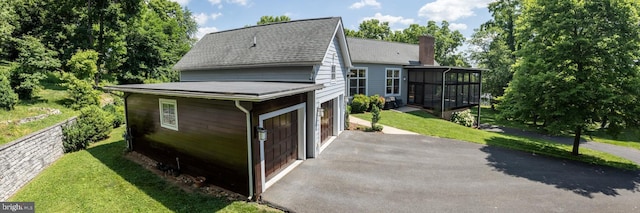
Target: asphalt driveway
pixel 372 172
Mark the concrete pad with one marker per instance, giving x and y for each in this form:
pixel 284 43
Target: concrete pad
pixel 373 172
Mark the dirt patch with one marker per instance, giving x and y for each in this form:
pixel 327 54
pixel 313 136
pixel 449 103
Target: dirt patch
pixel 184 181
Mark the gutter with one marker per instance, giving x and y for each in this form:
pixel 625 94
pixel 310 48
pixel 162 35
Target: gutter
pixel 443 85
pixel 249 158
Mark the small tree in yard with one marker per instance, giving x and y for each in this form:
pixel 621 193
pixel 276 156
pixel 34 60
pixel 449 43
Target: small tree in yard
pixel 93 124
pixel 34 61
pixel 375 117
pixel 80 92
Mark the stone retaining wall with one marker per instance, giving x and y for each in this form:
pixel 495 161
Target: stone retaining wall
pixel 23 159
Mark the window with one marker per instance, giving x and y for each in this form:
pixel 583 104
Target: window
pixel 357 81
pixel 393 82
pixel 333 72
pixel 169 114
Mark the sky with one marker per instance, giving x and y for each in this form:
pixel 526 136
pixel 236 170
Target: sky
pixel 218 15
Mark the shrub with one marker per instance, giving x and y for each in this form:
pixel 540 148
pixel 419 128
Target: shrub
pixel 93 124
pixel 8 98
pixel 377 100
pixel 464 118
pixel 80 92
pixel 117 113
pixel 360 103
pixel 346 117
pixel 375 117
pixel 83 64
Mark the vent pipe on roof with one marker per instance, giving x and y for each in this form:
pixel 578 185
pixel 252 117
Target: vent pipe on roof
pixel 254 41
pixel 426 52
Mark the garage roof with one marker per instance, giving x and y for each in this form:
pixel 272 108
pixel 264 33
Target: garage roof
pixel 244 91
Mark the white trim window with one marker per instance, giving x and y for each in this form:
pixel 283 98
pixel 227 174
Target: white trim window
pixel 357 81
pixel 392 81
pixel 168 113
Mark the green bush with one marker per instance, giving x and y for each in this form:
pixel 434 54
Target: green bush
pixel 464 118
pixel 117 113
pixel 8 98
pixel 80 92
pixel 375 117
pixel 346 117
pixel 83 64
pixel 377 100
pixel 93 124
pixel 360 103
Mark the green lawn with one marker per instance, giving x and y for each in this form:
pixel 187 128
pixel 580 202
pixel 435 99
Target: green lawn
pixel 100 179
pixel 53 96
pixel 426 124
pixel 628 138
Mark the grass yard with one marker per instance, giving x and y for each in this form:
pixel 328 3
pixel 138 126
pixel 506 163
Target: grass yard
pixel 100 179
pixel 52 97
pixel 426 124
pixel 628 138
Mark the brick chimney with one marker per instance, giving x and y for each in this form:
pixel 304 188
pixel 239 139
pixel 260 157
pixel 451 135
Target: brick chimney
pixel 427 54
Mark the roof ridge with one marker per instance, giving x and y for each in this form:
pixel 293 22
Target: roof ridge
pixel 376 40
pixel 273 23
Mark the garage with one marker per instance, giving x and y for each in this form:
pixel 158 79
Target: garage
pixel 326 122
pixel 281 146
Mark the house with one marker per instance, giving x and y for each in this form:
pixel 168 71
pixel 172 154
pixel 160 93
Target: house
pixel 410 74
pixel 252 103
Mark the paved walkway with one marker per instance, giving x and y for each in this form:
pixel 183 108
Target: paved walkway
pixel 625 152
pixel 369 172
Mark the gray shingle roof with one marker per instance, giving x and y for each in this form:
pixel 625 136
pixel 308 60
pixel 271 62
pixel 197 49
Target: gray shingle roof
pixel 300 42
pixel 382 52
pixel 246 91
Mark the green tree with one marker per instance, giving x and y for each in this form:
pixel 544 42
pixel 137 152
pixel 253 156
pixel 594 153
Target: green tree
pixel 80 91
pixel 34 61
pixel 83 64
pixel 576 65
pixel 7 18
pixel 273 19
pixel 372 29
pixel 494 46
pixel 8 98
pixel 156 41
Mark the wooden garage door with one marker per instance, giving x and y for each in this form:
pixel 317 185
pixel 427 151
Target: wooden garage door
pixel 281 146
pixel 326 122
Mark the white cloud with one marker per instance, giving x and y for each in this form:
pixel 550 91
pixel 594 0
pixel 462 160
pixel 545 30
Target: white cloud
pixel 214 2
pixel 202 18
pixel 182 2
pixel 391 19
pixel 457 26
pixel 204 30
pixel 240 2
pixel 215 16
pixel 363 3
pixel 451 10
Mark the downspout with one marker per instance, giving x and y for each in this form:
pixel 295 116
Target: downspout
pixel 443 85
pixel 249 149
pixel 127 134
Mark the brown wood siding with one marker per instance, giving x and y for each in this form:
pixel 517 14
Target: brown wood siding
pixel 326 122
pixel 262 108
pixel 210 141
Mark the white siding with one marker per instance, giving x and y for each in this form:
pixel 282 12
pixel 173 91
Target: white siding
pixel 333 89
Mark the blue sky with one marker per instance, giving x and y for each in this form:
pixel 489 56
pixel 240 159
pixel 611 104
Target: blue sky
pixel 217 15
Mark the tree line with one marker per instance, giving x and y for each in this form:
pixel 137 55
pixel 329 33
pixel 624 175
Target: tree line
pixel 99 41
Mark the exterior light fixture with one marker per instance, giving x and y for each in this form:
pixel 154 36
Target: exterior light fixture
pixel 262 134
pixel 321 112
